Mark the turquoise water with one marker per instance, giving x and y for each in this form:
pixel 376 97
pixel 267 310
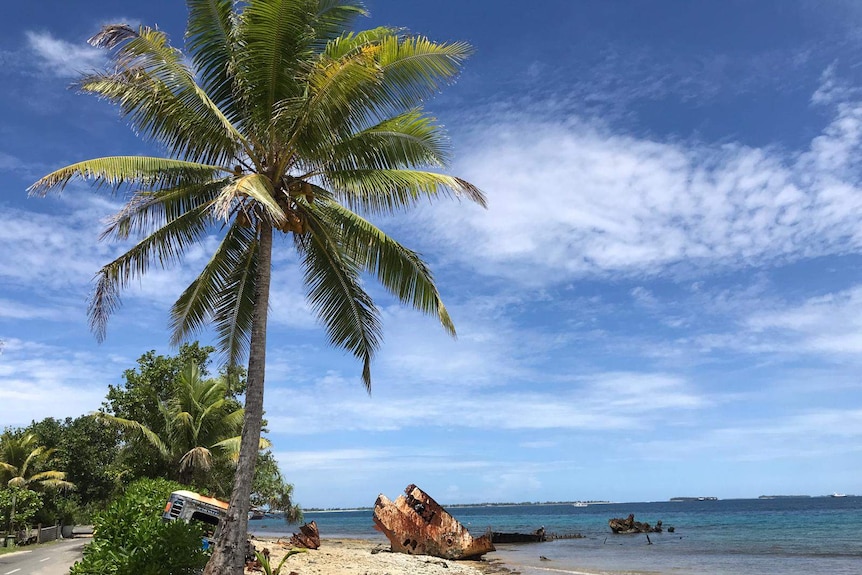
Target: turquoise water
pixel 805 536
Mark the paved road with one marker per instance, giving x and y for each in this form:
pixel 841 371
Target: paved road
pixel 52 559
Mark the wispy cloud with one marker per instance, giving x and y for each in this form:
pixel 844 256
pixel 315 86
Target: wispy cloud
pixel 54 251
pixel 829 324
pixel 39 380
pixel 573 199
pixel 61 58
pixel 808 434
pixel 611 401
pixel 12 309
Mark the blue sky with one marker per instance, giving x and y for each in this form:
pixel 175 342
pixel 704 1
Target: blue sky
pixel 664 297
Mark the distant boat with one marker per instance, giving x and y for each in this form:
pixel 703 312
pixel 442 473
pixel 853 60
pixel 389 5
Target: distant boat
pixel 256 514
pixel 838 495
pixel 579 504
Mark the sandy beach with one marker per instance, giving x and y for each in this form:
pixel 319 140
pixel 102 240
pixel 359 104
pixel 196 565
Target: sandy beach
pixel 364 557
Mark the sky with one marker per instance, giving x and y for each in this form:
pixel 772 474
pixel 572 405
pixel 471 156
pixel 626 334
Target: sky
pixel 663 298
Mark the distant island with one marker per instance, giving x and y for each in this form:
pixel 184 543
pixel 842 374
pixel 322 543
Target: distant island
pixel 783 496
pixel 462 505
pixel 694 498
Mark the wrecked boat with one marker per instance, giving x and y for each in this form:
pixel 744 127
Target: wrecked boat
pixel 415 524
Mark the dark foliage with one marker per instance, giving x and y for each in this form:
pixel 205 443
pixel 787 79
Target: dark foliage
pixel 132 539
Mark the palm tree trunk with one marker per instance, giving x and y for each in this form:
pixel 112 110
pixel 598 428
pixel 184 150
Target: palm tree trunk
pixel 229 554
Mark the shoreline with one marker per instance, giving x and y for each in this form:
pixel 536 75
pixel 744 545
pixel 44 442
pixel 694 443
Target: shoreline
pixel 345 556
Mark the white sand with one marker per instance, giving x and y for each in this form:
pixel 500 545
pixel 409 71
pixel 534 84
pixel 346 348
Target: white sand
pixel 363 557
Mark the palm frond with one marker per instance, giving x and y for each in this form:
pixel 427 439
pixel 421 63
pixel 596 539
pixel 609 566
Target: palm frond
pixel 233 420
pixel 276 40
pixel 336 92
pixel 198 458
pixel 146 211
pixel 157 90
pixel 354 42
pixel 415 68
pixel 336 295
pixel 363 77
pixel 408 140
pixel 37 454
pixel 114 171
pixel 398 269
pixel 164 246
pixel 48 475
pixel 51 479
pixel 211 42
pixel 199 302
pixel 230 447
pixel 182 422
pixel 256 186
pixel 332 18
pixel 159 115
pixel 233 313
pixel 391 190
pixel 58 484
pixel 135 428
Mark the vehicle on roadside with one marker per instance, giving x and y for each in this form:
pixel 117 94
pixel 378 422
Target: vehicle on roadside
pixel 189 506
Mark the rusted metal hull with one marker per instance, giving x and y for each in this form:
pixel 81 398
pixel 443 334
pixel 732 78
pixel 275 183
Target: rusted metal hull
pixel 629 525
pixel 308 536
pixel 417 525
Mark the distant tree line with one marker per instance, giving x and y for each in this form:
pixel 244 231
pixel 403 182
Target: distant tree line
pixel 169 419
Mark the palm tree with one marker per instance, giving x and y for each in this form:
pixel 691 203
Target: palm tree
pixel 21 462
pixel 201 424
pixel 278 120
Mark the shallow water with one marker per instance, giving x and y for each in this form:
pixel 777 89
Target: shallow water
pixel 729 537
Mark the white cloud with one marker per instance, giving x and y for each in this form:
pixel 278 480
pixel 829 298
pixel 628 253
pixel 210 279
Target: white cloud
pixel 10 309
pixel 334 459
pixel 832 89
pixel 573 198
pixel 611 401
pixel 10 163
pixel 38 381
pixel 828 324
pixel 61 58
pixel 808 434
pixel 46 251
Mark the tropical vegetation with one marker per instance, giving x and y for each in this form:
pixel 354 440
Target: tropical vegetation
pixel 18 507
pixel 22 462
pixel 279 118
pixel 24 469
pixel 101 459
pixel 201 424
pixel 130 537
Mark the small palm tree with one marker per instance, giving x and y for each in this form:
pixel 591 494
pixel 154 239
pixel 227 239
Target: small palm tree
pixel 22 460
pixel 279 119
pixel 201 424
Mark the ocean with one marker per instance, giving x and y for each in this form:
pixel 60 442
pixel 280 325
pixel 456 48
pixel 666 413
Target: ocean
pixel 786 536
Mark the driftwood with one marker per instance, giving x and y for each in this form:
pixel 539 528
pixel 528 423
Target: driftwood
pixel 629 525
pixel 308 537
pixel 417 525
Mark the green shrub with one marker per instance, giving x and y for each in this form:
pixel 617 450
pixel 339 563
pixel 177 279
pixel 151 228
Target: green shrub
pixel 23 502
pixel 131 538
